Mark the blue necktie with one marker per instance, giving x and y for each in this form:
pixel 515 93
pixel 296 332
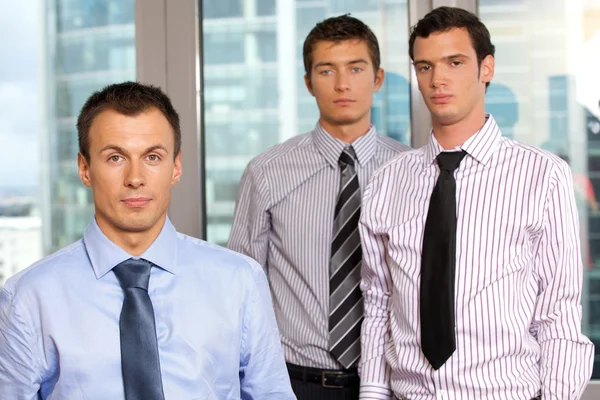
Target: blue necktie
pixel 139 349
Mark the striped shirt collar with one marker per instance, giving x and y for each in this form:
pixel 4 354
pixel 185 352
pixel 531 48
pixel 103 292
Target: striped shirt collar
pixel 480 146
pixel 331 148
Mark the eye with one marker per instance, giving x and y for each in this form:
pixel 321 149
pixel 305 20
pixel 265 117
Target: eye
pixel 326 72
pixel 153 157
pixel 114 158
pixel 424 68
pixel 456 63
pixel 357 69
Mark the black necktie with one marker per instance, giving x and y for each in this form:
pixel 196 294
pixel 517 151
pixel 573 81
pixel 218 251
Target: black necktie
pixel 345 297
pixel 139 350
pixel 438 263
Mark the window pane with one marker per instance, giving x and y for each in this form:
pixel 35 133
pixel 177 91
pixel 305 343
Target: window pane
pixel 222 9
pixel 253 60
pixel 545 92
pixel 265 7
pixel 61 51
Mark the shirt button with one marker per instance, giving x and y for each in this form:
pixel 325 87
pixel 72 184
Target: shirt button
pixel 442 395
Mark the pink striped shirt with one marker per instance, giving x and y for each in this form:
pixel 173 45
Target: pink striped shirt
pixel 518 276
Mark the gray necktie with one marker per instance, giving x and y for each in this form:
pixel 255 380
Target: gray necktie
pixel 139 349
pixel 345 297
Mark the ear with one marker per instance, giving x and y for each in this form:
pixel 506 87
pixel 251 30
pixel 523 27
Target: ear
pixel 308 84
pixel 83 170
pixel 379 77
pixel 176 169
pixel 487 69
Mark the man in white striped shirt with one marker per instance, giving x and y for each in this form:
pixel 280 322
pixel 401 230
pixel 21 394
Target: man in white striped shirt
pixel 298 209
pixel 507 258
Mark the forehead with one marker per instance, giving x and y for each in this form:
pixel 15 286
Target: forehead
pixel 110 127
pixel 346 50
pixel 442 44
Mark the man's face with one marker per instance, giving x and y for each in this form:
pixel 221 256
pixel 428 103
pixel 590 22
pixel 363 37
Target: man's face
pixel 343 81
pixel 131 170
pixel 449 77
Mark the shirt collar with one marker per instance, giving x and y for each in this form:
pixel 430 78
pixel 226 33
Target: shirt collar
pixel 331 148
pixel 104 255
pixel 480 146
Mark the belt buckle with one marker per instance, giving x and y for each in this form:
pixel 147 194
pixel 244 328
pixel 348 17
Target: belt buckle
pixel 324 379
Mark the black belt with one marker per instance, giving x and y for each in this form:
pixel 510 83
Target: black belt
pixel 328 378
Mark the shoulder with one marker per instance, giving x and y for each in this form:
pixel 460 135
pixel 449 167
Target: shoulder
pixel 400 163
pixel 280 151
pixel 49 269
pixel 216 260
pixel 388 144
pixel 536 159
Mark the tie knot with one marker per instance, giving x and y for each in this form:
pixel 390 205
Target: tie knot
pixel 450 160
pixel 347 157
pixel 133 273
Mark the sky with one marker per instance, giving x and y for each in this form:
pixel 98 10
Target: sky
pixel 20 79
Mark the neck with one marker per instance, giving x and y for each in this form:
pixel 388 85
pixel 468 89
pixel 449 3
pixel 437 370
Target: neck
pixel 450 136
pixel 347 133
pixel 134 243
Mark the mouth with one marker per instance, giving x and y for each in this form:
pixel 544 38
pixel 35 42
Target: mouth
pixel 136 202
pixel 343 102
pixel 441 98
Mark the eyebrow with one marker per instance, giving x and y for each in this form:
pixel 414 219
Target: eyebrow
pixel 121 150
pixel 330 64
pixel 446 58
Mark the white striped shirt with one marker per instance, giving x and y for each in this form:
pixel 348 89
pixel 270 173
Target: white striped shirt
pixel 284 220
pixel 518 276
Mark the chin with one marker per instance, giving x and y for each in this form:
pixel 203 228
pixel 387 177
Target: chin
pixel 136 226
pixel 137 222
pixel 344 119
pixel 446 118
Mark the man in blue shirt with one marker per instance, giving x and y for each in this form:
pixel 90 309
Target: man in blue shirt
pixel 136 310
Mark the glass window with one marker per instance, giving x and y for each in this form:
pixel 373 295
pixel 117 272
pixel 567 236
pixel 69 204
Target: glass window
pixel 223 48
pixel 246 86
pixel 85 45
pixel 545 92
pixel 222 9
pixel 265 7
pixel 85 14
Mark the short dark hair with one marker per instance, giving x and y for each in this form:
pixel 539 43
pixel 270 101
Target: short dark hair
pixel 127 98
pixel 339 29
pixel 442 19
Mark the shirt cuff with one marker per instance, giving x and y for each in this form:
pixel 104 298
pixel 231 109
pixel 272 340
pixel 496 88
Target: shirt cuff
pixel 375 392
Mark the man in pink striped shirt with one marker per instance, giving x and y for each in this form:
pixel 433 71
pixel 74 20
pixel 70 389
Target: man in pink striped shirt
pixel 508 255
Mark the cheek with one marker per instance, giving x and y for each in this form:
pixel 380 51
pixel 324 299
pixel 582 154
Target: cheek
pixel 106 181
pixel 322 87
pixel 366 88
pixel 422 84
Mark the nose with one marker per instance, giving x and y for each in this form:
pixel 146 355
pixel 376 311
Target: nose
pixel 438 77
pixel 341 82
pixel 134 177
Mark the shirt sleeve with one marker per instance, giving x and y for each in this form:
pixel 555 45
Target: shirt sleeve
pixel 566 354
pixel 377 286
pixel 20 377
pixel 251 221
pixel 263 373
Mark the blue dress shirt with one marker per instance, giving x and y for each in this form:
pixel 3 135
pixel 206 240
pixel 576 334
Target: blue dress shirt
pixel 216 331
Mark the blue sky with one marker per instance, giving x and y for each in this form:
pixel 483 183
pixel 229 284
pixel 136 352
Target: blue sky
pixel 21 44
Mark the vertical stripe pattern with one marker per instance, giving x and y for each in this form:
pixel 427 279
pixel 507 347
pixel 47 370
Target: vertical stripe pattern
pixel 345 301
pixel 518 277
pixel 284 220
